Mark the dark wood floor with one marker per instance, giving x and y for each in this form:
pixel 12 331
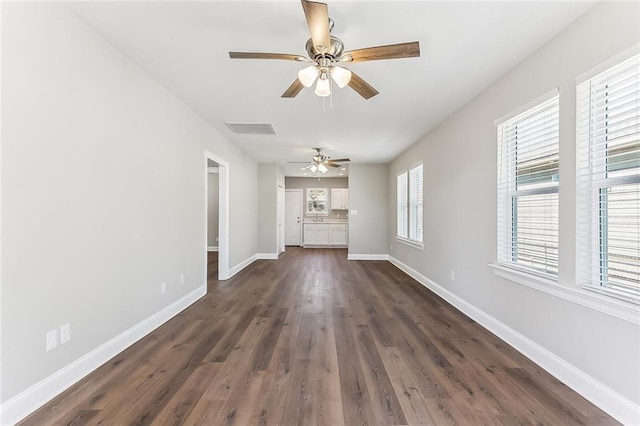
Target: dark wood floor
pixel 315 339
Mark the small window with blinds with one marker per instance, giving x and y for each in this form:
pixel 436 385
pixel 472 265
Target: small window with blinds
pixel 403 205
pixel 528 166
pixel 409 206
pixel 608 181
pixel 415 204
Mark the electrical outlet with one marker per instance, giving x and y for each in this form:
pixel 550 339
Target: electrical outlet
pixel 181 279
pixel 453 275
pixel 354 212
pixel 163 288
pixel 51 340
pixel 65 333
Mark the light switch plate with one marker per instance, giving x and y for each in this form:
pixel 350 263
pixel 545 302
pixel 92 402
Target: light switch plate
pixel 65 333
pixel 51 340
pixel 354 212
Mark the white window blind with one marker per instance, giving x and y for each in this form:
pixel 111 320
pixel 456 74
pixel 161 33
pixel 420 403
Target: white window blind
pixel 415 203
pixel 403 205
pixel 608 181
pixel 528 166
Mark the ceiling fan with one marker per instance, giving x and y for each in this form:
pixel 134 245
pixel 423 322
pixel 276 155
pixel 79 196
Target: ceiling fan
pixel 326 52
pixel 320 162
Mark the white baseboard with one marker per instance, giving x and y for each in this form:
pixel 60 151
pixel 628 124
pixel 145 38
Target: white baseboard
pixel 367 256
pixel 26 402
pixel 270 256
pixel 610 401
pixel 240 266
pixel 212 248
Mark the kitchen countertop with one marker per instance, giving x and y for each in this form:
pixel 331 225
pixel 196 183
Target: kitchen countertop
pixel 345 221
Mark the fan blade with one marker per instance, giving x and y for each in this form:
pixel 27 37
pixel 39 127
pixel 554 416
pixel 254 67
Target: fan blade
pixel 390 51
pixel 339 160
pixel 317 15
pixel 362 87
pixel 260 55
pixel 332 165
pixel 293 90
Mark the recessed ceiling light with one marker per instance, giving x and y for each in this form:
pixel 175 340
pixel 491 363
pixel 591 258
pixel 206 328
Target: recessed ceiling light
pixel 344 168
pixel 341 174
pixel 303 168
pixel 305 174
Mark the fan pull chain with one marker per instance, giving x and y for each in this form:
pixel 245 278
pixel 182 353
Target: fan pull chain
pixel 330 92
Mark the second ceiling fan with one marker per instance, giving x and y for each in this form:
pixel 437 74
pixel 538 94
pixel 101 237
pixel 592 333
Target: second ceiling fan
pixel 320 162
pixel 326 52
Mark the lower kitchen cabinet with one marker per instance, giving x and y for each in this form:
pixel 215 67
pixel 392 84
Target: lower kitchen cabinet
pixel 338 234
pixel 325 234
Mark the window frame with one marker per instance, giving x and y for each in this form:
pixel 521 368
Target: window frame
pixel 594 185
pixel 322 202
pixel 508 192
pixel 405 205
pixel 402 205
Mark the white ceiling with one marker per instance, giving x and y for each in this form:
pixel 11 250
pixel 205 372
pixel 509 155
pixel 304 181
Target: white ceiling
pixel 465 46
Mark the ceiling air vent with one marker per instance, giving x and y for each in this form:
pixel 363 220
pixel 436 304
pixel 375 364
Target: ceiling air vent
pixel 252 128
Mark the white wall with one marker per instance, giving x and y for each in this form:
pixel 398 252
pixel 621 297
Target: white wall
pixel 369 196
pixel 270 176
pixel 310 182
pixel 460 205
pixel 103 192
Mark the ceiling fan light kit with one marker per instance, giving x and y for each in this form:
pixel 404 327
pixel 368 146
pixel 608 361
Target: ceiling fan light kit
pixel 341 76
pixel 321 163
pixel 323 87
pixel 325 51
pixel 308 75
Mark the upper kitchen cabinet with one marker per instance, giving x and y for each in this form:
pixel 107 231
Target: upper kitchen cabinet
pixel 339 198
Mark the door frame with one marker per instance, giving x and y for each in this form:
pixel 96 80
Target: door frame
pixel 301 191
pixel 280 218
pixel 223 214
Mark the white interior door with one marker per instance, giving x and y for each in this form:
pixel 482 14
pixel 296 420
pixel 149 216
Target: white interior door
pixel 293 217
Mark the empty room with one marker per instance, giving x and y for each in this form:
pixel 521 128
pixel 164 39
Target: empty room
pixel 320 213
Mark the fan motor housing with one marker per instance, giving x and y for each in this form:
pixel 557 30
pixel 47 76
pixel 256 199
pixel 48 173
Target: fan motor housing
pixel 334 52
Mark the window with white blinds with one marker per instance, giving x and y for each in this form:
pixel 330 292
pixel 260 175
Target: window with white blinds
pixel 608 181
pixel 415 203
pixel 409 205
pixel 528 166
pixel 403 205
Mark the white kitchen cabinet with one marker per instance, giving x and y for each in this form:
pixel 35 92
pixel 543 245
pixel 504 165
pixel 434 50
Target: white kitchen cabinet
pixel 325 234
pixel 338 234
pixel 316 234
pixel 339 198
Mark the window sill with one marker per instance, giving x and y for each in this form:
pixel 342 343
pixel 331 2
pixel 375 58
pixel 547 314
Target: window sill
pixel 621 309
pixel 410 243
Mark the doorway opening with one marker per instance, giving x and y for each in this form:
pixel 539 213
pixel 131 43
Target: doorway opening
pixel 217 217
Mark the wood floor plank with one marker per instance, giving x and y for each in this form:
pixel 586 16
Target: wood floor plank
pixel 315 339
pixel 230 339
pixel 378 379
pixel 410 396
pixel 176 411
